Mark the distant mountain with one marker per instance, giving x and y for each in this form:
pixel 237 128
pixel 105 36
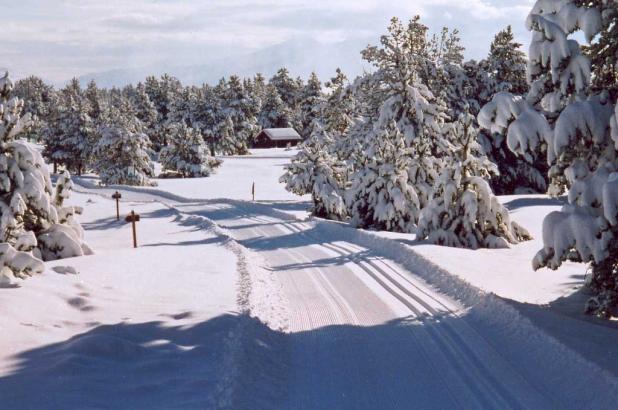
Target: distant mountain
pixel 300 56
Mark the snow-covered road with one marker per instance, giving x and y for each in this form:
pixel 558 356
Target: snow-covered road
pixel 366 333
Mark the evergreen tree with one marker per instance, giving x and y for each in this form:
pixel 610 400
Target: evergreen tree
pixel 463 211
pixel 311 103
pixel 75 132
pixel 274 113
pixel 337 113
pixel 506 63
pixel 289 91
pixel 145 110
pixel 408 105
pixel 229 143
pixel 39 99
pixel 95 101
pixel 239 107
pixel 122 155
pixel 186 153
pixel 30 226
pixel 381 195
pixel 314 171
pixel 209 116
pixel 163 93
pixel 575 120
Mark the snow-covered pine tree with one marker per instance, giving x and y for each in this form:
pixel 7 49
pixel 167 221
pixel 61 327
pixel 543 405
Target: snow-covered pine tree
pixel 163 93
pixel 186 153
pixel 72 133
pixel 38 99
pixel 522 168
pixel 30 227
pixel 316 172
pixel 581 146
pixel 228 143
pixel 259 87
pixel 463 211
pixel 409 105
pixel 209 116
pixel 558 71
pixel 311 104
pixel 274 113
pixel 145 110
pixel 506 63
pixel 240 108
pixel 381 195
pixel 122 155
pixel 289 91
pixel 337 112
pixel 95 101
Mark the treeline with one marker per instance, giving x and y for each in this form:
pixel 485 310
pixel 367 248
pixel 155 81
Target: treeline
pixel 117 132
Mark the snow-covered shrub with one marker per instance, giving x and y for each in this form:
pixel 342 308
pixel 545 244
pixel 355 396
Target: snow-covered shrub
pixel 186 153
pixel 30 211
pixel 464 211
pixel 315 171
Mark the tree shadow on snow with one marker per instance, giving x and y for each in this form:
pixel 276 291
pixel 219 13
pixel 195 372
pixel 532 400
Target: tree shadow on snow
pixel 238 362
pixel 525 202
pixel 564 319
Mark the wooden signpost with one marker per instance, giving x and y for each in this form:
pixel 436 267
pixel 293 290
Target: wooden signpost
pixel 253 191
pixel 117 197
pixel 133 218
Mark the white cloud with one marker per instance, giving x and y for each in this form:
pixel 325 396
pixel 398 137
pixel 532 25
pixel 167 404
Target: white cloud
pixel 61 39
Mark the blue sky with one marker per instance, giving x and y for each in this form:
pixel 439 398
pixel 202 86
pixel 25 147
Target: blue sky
pixel 61 39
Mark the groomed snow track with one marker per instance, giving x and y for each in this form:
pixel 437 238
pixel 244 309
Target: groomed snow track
pixel 373 325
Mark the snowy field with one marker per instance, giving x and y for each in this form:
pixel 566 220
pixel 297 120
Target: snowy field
pixel 228 303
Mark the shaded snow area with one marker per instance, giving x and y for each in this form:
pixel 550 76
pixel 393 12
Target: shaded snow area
pixel 229 303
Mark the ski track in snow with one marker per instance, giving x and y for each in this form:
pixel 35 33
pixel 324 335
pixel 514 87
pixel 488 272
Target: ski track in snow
pixel 372 328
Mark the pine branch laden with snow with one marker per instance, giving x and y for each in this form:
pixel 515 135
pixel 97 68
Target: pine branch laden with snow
pixel 557 69
pixel 30 214
pixel 463 211
pixel 515 126
pixel 186 153
pixel 316 172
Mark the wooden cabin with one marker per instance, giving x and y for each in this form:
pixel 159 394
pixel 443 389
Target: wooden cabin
pixel 277 138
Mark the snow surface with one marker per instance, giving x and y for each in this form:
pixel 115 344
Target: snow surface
pixel 234 304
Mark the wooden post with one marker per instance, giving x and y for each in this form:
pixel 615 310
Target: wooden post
pixel 133 218
pixel 117 197
pixel 253 191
